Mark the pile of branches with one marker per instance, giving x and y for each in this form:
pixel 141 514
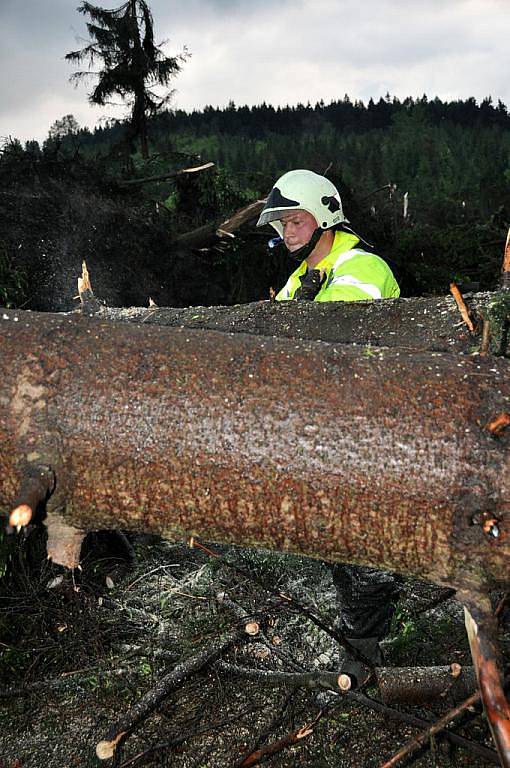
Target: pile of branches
pixel 224 657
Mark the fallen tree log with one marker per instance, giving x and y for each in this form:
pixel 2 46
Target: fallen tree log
pixel 225 228
pixel 390 457
pixel 417 685
pixel 397 685
pixel 380 459
pixel 426 323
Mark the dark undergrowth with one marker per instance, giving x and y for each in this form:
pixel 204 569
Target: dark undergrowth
pixel 58 211
pixel 78 650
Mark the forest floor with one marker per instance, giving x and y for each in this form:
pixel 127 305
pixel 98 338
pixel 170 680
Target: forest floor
pixel 77 652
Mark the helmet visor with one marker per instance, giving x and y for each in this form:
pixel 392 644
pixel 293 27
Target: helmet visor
pixel 276 206
pixel 274 214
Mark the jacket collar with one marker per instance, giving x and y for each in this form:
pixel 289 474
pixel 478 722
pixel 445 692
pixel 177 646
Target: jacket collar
pixel 343 242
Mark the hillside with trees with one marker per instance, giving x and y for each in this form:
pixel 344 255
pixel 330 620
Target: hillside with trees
pixel 427 182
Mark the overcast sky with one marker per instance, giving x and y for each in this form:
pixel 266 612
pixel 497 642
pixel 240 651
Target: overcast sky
pixel 278 51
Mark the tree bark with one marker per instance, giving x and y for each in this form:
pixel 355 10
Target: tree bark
pixel 380 458
pixel 419 685
pixel 397 685
pixel 428 323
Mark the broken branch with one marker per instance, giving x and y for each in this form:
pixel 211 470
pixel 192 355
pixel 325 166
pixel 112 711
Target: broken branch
pixel 37 485
pixel 106 748
pixel 277 746
pixel 505 267
pixel 481 628
pixel 272 677
pixel 461 304
pixel 164 176
pixel 239 218
pixel 89 303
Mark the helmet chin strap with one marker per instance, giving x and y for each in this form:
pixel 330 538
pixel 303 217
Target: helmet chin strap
pixel 303 253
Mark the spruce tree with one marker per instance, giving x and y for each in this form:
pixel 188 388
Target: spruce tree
pixel 122 40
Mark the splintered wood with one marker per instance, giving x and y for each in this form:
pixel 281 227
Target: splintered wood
pixel 84 287
pixel 461 304
pixel 506 258
pixel 498 425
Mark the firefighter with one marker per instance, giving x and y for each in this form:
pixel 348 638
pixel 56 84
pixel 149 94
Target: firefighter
pixel 306 211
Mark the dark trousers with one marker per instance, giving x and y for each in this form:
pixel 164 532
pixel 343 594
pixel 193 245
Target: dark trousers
pixel 367 599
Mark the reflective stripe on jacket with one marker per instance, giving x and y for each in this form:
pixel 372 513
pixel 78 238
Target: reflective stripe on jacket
pixel 351 274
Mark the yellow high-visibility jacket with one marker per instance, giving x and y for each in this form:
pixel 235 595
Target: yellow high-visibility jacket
pixel 352 274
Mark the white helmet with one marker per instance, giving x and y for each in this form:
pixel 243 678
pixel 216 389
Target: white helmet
pixel 304 191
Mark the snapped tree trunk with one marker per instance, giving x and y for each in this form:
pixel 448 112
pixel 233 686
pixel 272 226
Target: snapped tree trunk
pixel 379 457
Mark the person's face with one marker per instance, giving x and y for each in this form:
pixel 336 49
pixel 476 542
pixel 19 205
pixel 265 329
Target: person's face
pixel 298 227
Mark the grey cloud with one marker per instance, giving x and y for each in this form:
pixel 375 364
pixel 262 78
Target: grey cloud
pixel 258 50
pixel 34 38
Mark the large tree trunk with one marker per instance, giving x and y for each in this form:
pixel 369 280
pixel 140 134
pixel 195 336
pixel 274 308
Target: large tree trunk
pixel 379 457
pixel 427 323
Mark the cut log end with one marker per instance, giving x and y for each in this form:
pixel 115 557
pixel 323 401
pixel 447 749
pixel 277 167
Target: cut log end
pixel 252 628
pixel 20 516
pixel 37 485
pixel 499 424
pixel 106 749
pixel 344 682
pixel 456 669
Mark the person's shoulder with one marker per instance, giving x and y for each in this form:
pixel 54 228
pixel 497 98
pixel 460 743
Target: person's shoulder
pixel 369 256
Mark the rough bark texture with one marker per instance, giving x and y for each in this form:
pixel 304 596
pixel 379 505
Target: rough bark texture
pixel 432 323
pixel 417 685
pixel 397 685
pixel 378 457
